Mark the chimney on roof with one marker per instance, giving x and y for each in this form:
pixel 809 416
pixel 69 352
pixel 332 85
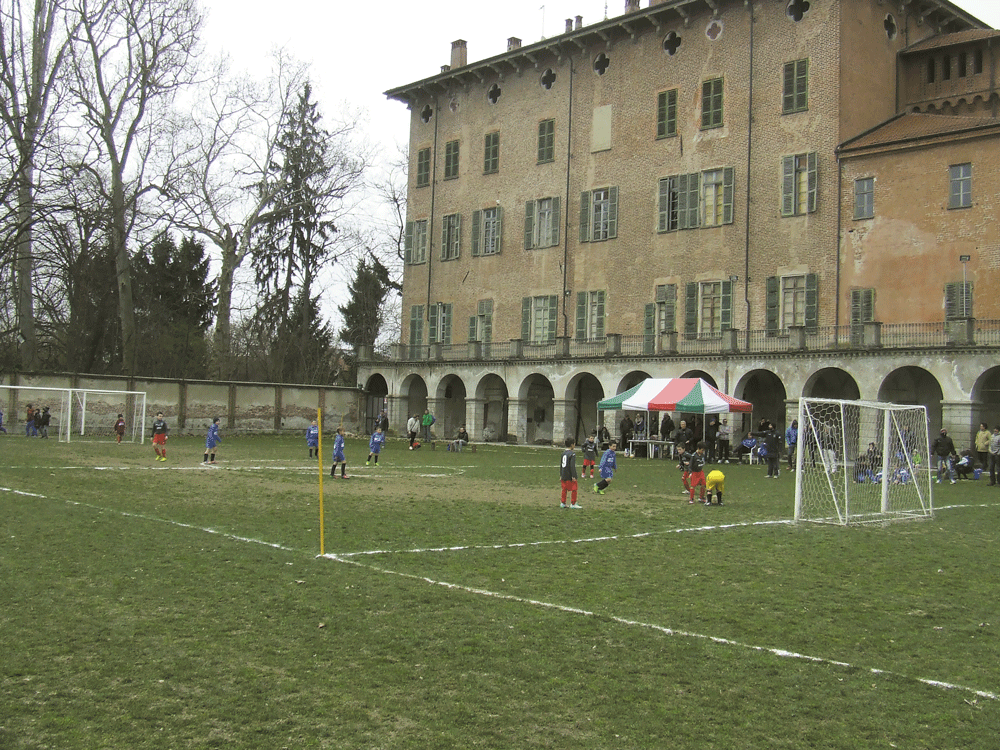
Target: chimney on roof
pixel 631 6
pixel 513 43
pixel 579 22
pixel 445 68
pixel 569 25
pixel 459 53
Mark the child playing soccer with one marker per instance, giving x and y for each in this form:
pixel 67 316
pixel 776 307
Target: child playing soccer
pixel 697 476
pixel 567 474
pixel 212 439
pixel 312 438
pixel 375 446
pixel 607 468
pixel 160 431
pixel 717 482
pixel 684 464
pixel 589 455
pixel 338 455
pixel 120 429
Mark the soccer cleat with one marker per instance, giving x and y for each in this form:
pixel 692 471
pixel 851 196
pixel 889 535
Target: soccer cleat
pixel 577 505
pixel 595 488
pixel 600 492
pixel 953 481
pixel 368 463
pixel 563 505
pixel 690 502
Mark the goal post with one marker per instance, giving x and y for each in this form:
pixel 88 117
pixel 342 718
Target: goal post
pixel 861 462
pixel 78 413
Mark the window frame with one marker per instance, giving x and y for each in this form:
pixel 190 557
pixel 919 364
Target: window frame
pixel 423 167
pixel 961 198
pixel 712 104
pixel 533 226
pixel 546 141
pixel 451 236
pixel 491 152
pixel 589 209
pixel 952 295
pixel 415 242
pixel 666 114
pixel 481 324
pixel 538 317
pixel 864 198
pixel 792 288
pixel 452 154
pixel 795 87
pixel 439 319
pixel 484 221
pixel 591 313
pixel 796 168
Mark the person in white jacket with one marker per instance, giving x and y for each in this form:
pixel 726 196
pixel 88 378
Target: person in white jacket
pixel 412 428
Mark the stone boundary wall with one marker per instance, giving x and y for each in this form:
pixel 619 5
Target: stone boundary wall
pixel 190 405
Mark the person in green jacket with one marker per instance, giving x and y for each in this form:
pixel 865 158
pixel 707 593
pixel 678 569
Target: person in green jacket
pixel 427 420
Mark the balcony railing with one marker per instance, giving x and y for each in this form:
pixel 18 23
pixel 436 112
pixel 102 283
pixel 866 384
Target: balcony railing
pixel 966 332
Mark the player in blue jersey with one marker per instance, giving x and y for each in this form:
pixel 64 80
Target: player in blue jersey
pixel 212 439
pixel 338 455
pixel 607 468
pixel 312 438
pixel 375 446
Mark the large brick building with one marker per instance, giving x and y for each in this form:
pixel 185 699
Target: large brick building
pixel 786 197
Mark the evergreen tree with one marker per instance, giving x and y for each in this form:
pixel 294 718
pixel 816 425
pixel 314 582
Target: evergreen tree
pixel 364 313
pixel 174 304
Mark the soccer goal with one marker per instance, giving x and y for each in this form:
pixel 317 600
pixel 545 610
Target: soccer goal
pixel 77 413
pixel 861 462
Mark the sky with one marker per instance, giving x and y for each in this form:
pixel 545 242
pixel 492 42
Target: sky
pixel 358 50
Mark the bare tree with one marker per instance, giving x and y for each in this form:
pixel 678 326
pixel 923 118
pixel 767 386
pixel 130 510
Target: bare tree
pixel 130 58
pixel 33 47
pixel 225 189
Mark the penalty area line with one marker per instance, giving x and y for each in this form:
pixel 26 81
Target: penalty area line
pixel 779 652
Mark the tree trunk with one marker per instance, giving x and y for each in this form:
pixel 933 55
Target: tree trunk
pixel 25 266
pixel 123 272
pixel 220 366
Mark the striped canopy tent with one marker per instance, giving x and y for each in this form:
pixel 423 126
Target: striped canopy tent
pixel 685 395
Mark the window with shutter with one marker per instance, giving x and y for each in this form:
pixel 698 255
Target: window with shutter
pixel 958 300
pixel 799 184
pixel 491 153
pixel 666 113
pixel 796 87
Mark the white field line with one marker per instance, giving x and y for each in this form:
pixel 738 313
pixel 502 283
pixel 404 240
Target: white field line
pixel 346 559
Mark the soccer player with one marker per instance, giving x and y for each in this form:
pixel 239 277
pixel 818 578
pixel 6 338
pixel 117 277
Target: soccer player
pixel 212 439
pixel 697 478
pixel 338 455
pixel 120 428
pixel 312 438
pixel 589 454
pixel 567 474
pixel 717 482
pixel 684 464
pixel 160 431
pixel 375 445
pixel 607 468
pixel 2 429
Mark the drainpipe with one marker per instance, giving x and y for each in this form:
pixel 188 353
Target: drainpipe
pixel 430 222
pixel 566 208
pixel 746 257
pixel 840 212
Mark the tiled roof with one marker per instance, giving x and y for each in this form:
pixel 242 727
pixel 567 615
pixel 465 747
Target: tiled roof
pixel 948 40
pixel 916 126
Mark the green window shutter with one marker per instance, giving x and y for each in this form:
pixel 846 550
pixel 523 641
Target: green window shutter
pixel 671 307
pixel 812 301
pixel 682 199
pixel 486 310
pixel 771 303
pixel 585 216
pixel 612 213
pixel 693 201
pixel 475 242
pixel 432 327
pixel 867 305
pixel 726 313
pixel 446 313
pixel 706 104
pixel 408 243
pixel 499 228
pixel 958 300
pixel 728 177
pixel 802 84
pixel 691 310
pixel 556 214
pixel 553 307
pixel 661 114
pixel 473 326
pixel 458 235
pixel 529 224
pixel 600 315
pixel 672 112
pixel 788 98
pixel 648 329
pixel 444 238
pixel 581 316
pixel 787 185
pixel 813 181
pixel 663 205
pixel 525 318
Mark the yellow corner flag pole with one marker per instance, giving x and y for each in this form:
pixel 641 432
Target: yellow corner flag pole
pixel 319 459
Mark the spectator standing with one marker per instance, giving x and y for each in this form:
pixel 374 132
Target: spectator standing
pixel 725 435
pixel 383 422
pixel 412 428
pixel 2 429
pixel 994 455
pixel 944 450
pixel 983 445
pixel 711 435
pixel 666 426
pixel 43 420
pixel 791 441
pixel 603 437
pixel 426 421
pixel 684 437
pixel 627 428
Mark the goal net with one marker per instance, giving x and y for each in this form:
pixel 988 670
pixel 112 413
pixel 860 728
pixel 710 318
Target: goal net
pixel 861 462
pixel 75 413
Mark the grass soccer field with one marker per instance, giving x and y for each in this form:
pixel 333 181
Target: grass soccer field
pixel 170 605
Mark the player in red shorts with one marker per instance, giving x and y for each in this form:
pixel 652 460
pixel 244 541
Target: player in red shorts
pixel 160 431
pixel 567 474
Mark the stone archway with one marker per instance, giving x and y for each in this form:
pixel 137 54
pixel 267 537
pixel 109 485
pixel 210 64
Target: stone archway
pixel 536 410
pixel 986 398
pixel 490 423
pixel 450 407
pixel 766 392
pixel 701 374
pixel 832 382
pixel 376 392
pixel 582 394
pixel 914 385
pixel 413 394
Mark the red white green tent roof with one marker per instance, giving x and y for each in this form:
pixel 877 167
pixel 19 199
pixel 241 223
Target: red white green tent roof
pixel 686 395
